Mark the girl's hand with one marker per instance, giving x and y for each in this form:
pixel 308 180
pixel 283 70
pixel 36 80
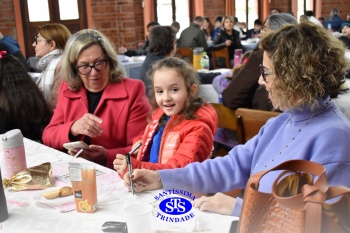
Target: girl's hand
pixel 88 124
pixel 120 164
pixel 228 43
pixel 219 203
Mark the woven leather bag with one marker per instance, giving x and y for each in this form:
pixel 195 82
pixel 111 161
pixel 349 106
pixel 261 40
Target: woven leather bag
pixel 297 203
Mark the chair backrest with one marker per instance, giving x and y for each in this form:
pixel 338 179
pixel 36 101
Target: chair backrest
pixel 249 122
pixel 185 53
pixel 223 52
pixel 226 116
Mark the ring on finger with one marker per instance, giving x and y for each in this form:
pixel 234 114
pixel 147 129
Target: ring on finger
pixel 88 127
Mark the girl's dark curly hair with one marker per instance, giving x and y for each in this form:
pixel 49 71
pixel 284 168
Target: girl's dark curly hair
pixel 308 63
pixel 186 71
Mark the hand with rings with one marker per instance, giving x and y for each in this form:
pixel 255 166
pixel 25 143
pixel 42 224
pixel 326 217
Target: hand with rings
pixel 219 203
pixel 88 124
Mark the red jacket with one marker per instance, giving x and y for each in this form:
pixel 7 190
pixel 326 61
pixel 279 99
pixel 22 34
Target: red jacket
pixel 183 141
pixel 123 107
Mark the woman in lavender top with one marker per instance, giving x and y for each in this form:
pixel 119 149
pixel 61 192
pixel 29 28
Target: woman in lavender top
pixel 311 127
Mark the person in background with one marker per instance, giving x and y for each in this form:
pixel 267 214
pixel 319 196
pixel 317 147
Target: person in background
pixel 227 37
pixel 345 38
pixel 217 26
pixel 274 10
pixel 162 44
pixel 22 105
pixel 255 32
pixel 96 104
pixel 310 16
pixel 348 17
pixel 334 20
pixel 208 28
pixel 302 18
pixel 238 27
pixel 193 36
pixel 143 50
pixel 321 19
pixel 309 127
pixel 11 46
pixel 49 45
pixel 183 125
pixel 176 26
pixel 244 91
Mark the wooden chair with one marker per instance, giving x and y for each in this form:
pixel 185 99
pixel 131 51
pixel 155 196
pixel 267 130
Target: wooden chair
pixel 223 52
pixel 249 122
pixel 185 53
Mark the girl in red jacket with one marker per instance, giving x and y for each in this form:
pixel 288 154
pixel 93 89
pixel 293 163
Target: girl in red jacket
pixel 183 125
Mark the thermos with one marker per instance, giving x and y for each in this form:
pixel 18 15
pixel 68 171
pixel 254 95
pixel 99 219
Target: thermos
pixel 3 206
pixel 237 58
pixel 14 159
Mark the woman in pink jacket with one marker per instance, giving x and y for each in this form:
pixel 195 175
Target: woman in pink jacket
pixel 96 104
pixel 182 127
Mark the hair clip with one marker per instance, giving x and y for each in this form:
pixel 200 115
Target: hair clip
pixel 2 53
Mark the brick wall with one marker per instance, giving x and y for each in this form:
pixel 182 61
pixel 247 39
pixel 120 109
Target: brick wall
pixel 212 9
pixel 7 18
pixel 121 21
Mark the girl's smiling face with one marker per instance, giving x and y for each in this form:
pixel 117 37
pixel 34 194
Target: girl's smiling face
pixel 170 91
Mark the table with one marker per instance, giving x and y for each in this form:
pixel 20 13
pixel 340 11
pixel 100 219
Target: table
pixel 131 65
pixel 112 196
pixel 207 91
pixel 343 101
pixel 249 44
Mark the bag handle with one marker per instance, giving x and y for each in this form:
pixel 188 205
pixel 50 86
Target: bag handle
pixel 296 165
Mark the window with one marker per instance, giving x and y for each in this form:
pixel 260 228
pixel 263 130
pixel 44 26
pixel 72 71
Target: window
pixel 247 11
pixel 38 10
pixel 304 5
pixel 168 11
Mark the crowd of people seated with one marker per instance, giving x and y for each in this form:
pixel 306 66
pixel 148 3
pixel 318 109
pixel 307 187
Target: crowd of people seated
pixel 82 94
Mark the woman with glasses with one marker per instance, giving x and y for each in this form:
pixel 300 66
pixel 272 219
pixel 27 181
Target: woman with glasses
pixel 96 104
pixel 312 127
pixel 49 45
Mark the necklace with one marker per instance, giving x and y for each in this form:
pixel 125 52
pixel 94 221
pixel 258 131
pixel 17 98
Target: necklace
pixel 315 113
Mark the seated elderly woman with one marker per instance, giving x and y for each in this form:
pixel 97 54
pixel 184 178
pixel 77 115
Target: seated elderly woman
pixel 96 104
pixel 311 127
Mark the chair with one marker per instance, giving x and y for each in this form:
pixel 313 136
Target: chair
pixel 220 53
pixel 185 53
pixel 227 120
pixel 249 122
pixel 226 116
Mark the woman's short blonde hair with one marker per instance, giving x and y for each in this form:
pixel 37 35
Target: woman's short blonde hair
pixel 55 32
pixel 308 62
pixel 79 42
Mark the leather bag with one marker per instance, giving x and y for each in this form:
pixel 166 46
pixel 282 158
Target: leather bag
pixel 297 203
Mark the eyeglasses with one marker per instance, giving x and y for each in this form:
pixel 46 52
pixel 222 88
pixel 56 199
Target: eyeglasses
pixel 37 40
pixel 86 69
pixel 263 73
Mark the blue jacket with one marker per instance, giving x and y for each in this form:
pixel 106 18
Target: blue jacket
pixel 323 138
pixel 336 23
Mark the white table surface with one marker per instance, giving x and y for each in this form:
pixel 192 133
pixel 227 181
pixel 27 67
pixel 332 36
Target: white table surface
pixel 112 196
pixel 343 101
pixel 131 65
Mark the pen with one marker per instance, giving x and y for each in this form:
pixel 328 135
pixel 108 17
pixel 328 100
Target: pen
pixel 128 161
pixel 76 155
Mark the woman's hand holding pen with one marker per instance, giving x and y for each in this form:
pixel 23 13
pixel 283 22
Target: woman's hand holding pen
pixel 144 180
pixel 88 124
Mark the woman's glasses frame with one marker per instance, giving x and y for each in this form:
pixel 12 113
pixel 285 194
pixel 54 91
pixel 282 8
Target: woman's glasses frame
pixel 98 66
pixel 37 40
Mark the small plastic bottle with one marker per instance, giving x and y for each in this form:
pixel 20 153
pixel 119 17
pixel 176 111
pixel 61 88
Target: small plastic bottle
pixel 329 27
pixel 205 62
